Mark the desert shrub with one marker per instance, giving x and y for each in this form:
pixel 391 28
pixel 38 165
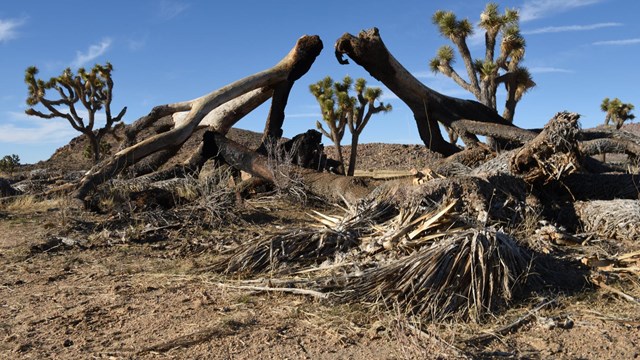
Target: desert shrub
pixel 9 163
pixel 287 182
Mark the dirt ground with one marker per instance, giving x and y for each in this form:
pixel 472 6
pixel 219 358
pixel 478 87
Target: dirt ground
pixel 87 297
pixel 74 287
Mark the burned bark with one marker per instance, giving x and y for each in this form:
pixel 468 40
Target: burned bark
pixel 428 106
pixel 275 120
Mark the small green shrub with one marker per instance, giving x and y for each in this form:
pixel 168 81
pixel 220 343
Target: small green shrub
pixel 9 163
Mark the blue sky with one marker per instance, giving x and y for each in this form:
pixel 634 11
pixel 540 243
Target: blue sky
pixel 579 52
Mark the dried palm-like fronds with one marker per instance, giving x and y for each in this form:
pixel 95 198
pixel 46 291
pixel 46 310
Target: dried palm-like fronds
pixel 610 219
pixel 332 235
pixel 468 274
pixel 413 227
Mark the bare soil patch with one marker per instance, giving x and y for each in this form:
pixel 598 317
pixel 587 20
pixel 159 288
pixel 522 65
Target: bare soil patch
pixel 78 284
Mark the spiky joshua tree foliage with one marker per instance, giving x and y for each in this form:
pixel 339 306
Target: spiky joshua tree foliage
pixel 485 75
pixel 340 109
pixel 92 90
pixel 616 111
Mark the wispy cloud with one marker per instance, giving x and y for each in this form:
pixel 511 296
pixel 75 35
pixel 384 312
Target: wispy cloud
pixel 424 74
pixel 305 115
pixel 8 29
pixel 169 9
pixel 23 129
pixel 137 44
pixel 546 70
pixel 622 42
pixel 92 53
pixel 559 29
pixel 535 9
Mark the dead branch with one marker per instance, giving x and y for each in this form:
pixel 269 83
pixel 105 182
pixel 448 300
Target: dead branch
pixel 296 291
pixel 492 334
pixel 326 185
pixel 428 106
pixel 299 58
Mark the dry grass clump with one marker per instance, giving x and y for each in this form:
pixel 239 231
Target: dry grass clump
pixel 422 259
pixel 333 235
pixel 32 203
pixel 467 274
pixel 287 181
pixel 610 219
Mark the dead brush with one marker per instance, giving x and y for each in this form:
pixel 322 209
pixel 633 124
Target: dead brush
pixel 413 227
pixel 610 219
pixel 332 235
pixel 287 182
pixel 467 274
pixel 211 197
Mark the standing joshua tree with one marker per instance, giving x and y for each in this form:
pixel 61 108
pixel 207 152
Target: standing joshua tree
pixel 93 90
pixel 364 108
pixel 339 109
pixel 617 111
pixel 485 75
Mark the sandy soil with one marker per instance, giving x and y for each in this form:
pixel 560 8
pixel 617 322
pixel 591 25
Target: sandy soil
pixel 101 296
pixel 74 287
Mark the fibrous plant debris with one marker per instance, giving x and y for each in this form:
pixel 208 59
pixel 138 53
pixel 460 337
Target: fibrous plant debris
pixel 610 219
pixel 413 257
pixel 468 273
pixel 312 245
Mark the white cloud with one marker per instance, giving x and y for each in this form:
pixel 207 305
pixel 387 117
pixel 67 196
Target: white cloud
pixel 558 29
pixel 618 42
pixel 92 53
pixel 170 9
pixel 24 130
pixel 424 75
pixel 137 44
pixel 546 70
pixel 304 115
pixel 20 128
pixel 535 9
pixel 8 29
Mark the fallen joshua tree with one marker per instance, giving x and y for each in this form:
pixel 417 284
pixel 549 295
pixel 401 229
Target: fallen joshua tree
pixel 548 173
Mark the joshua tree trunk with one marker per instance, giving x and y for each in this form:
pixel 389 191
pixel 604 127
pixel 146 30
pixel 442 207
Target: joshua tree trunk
pixel 427 105
pixel 291 66
pixel 354 153
pixel 94 141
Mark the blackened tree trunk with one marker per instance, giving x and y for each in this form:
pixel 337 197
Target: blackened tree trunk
pixel 428 106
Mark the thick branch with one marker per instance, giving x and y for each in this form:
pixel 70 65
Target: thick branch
pixel 510 133
pixel 451 73
pixel 326 185
pixel 306 47
pixel 427 105
pixel 607 146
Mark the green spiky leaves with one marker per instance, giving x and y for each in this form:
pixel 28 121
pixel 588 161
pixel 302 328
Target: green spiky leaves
pixel 617 111
pixel 450 26
pixel 60 95
pixel 443 61
pixel 492 21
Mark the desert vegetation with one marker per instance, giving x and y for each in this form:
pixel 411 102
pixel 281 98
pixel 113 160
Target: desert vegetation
pixel 472 253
